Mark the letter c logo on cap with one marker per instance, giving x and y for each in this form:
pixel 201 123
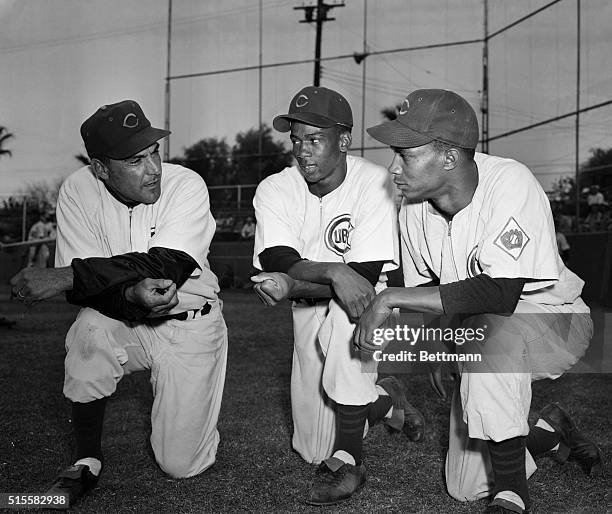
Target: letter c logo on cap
pixel 301 101
pixel 404 107
pixel 128 122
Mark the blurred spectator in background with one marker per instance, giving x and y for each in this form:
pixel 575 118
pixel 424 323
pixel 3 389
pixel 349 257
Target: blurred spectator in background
pixel 38 255
pixel 597 204
pixel 248 229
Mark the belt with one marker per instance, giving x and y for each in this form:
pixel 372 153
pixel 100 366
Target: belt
pixel 312 301
pixel 190 314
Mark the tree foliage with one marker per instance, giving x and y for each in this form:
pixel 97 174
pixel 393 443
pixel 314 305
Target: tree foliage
pixel 210 158
pixel 251 163
pixel 242 163
pixel 82 158
pixel 5 135
pixel 390 113
pixel 600 159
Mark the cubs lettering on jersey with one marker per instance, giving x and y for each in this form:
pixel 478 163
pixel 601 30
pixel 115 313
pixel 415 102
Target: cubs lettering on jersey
pixel 338 234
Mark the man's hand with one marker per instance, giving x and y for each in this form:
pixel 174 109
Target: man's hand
pixel 156 294
pixel 354 292
pixel 372 318
pixel 34 284
pixel 272 288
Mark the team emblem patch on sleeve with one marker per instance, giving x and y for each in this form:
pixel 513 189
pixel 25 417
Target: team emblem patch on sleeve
pixel 512 239
pixel 338 234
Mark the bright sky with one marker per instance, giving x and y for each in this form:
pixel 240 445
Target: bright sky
pixel 62 59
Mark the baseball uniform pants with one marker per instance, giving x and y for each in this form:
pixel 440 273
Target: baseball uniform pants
pixel 187 360
pixel 492 402
pixel 325 367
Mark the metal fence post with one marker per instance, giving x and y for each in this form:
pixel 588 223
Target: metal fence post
pixel 24 212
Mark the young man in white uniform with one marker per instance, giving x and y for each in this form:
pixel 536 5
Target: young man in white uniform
pixel 132 245
pixel 480 228
pixel 326 235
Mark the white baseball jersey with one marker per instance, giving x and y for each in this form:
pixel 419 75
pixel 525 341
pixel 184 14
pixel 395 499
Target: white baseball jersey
pixel 92 223
pixel 187 359
pixel 506 231
pixel 353 223
pixel 356 222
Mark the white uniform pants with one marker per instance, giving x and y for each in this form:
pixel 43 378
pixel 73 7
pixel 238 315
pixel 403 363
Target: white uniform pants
pixel 494 404
pixel 325 368
pixel 187 360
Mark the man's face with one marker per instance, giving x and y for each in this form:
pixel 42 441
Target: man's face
pixel 418 172
pixel 137 178
pixel 318 153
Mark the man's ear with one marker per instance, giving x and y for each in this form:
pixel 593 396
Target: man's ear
pixel 345 141
pixel 451 159
pixel 100 169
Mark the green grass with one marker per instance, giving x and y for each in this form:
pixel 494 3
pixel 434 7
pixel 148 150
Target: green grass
pixel 256 470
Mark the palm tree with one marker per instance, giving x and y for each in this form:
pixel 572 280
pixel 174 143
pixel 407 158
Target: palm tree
pixel 82 158
pixel 390 113
pixel 4 135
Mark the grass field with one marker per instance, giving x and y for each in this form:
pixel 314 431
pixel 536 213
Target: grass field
pixel 256 470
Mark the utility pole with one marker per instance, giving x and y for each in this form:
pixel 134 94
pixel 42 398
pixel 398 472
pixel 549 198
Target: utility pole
pixel 167 92
pixel 318 14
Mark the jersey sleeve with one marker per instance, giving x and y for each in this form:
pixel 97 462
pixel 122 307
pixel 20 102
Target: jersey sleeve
pixel 519 237
pixel 273 227
pixel 414 268
pixel 185 222
pixel 75 237
pixel 375 236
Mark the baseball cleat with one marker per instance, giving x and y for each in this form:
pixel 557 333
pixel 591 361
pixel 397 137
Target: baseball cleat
pixel 573 445
pixel 74 481
pixel 336 481
pixel 404 417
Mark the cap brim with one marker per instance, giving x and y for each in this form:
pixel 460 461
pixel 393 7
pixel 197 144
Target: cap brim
pixel 393 133
pixel 137 142
pixel 282 123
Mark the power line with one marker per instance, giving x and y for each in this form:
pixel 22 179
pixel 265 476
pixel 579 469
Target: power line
pixel 332 58
pixel 556 118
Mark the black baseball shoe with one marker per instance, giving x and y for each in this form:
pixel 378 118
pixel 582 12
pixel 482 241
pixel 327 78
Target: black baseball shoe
pixel 404 417
pixel 335 481
pixel 74 482
pixel 573 445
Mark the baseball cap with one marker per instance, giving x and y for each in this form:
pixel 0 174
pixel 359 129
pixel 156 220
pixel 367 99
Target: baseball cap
pixel 119 130
pixel 430 114
pixel 316 106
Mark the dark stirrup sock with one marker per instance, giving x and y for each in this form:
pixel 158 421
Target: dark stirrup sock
pixel 540 441
pixel 378 409
pixel 508 463
pixel 351 423
pixel 87 421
